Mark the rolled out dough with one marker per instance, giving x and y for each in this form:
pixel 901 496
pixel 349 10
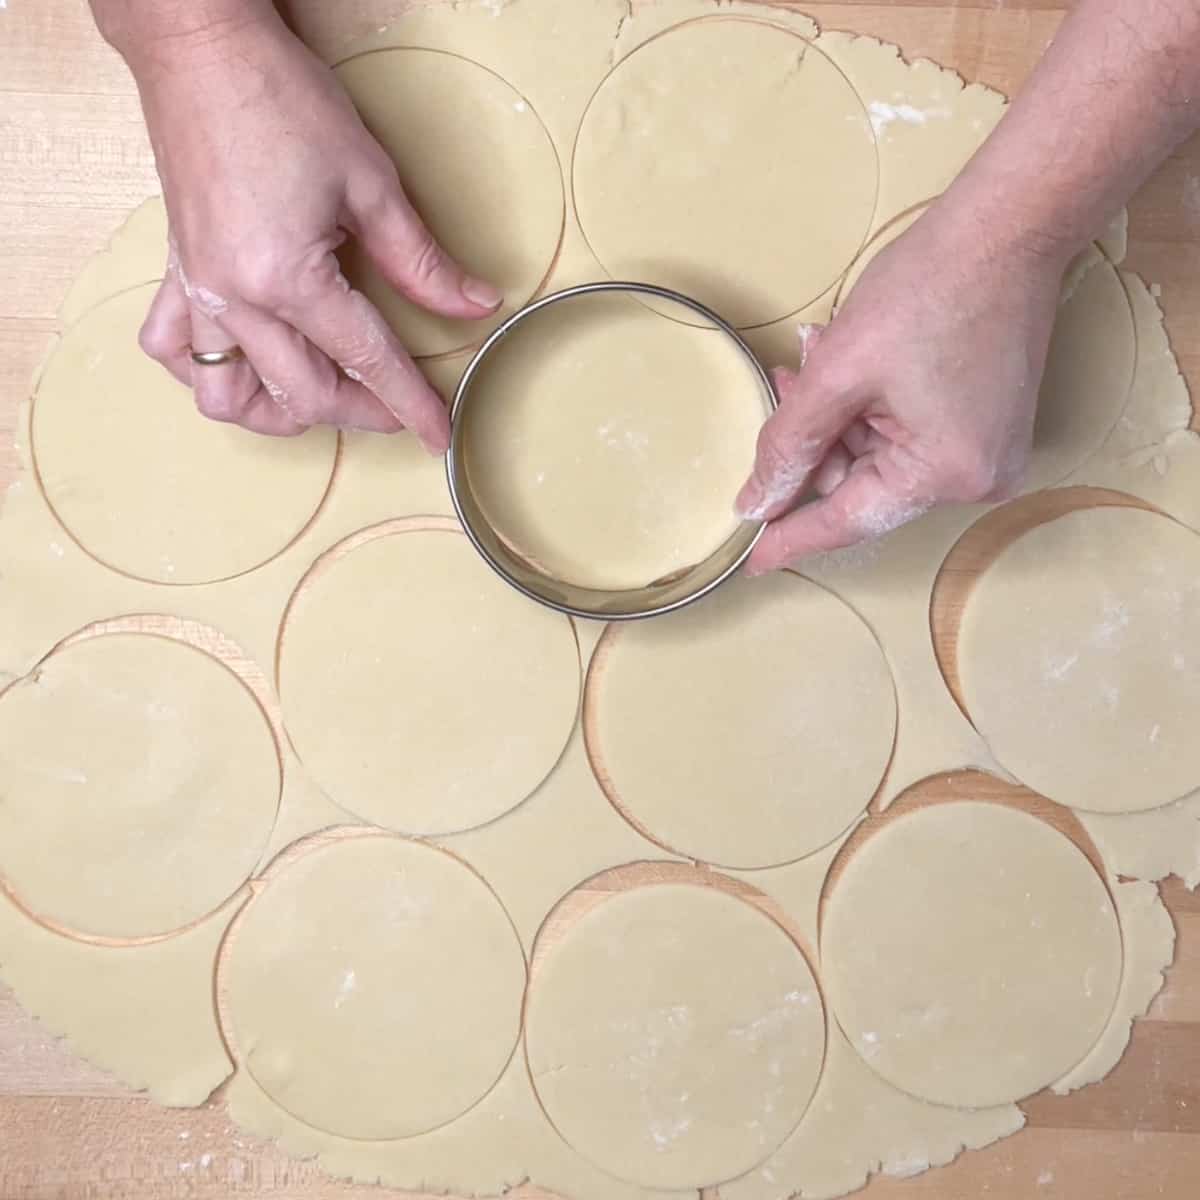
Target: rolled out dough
pixel 971 954
pixel 374 987
pixel 139 782
pixel 660 1065
pixel 748 730
pixel 128 464
pixel 606 443
pixel 422 692
pixel 685 147
pixel 1079 655
pixel 490 154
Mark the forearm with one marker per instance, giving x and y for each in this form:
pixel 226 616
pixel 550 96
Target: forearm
pixel 145 32
pixel 1116 92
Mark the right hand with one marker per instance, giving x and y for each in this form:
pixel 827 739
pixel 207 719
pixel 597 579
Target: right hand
pixel 266 168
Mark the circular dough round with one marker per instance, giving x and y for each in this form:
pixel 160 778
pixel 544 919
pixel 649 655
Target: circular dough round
pixel 749 730
pixel 477 164
pixel 1089 368
pixel 1079 655
pixel 374 988
pixel 140 783
pixel 605 443
pixel 652 1068
pixel 750 188
pixel 970 954
pixel 423 693
pixel 127 463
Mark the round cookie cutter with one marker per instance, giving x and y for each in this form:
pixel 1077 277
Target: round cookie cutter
pixel 668 594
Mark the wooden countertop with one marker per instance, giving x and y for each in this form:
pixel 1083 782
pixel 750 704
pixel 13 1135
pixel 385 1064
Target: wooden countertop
pixel 74 160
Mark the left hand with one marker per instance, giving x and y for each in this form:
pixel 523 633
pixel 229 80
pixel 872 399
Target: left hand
pixel 922 390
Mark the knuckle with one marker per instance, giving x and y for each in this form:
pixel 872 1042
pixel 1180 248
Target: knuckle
pixel 153 341
pixel 262 278
pixel 973 475
pixel 428 260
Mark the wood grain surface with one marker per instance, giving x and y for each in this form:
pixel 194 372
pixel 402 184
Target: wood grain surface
pixel 74 160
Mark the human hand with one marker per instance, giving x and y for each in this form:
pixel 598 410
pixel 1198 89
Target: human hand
pixel 923 389
pixel 266 168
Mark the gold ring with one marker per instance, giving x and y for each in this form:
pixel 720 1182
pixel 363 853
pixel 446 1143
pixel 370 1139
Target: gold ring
pixel 217 358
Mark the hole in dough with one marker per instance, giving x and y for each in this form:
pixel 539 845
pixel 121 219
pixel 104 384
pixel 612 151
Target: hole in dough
pixel 607 444
pixel 1079 658
pixel 675 1035
pixel 127 464
pixel 748 730
pixel 971 954
pixel 140 783
pixel 729 159
pixel 477 164
pixel 373 987
pixel 423 693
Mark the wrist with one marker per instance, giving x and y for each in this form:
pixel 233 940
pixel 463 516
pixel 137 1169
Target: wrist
pixel 155 35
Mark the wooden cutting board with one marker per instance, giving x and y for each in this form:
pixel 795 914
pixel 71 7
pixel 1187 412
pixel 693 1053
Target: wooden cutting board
pixel 74 160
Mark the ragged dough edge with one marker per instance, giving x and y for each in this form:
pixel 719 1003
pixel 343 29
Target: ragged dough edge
pixel 859 1126
pixel 143 1012
pixel 1153 845
pixel 1148 941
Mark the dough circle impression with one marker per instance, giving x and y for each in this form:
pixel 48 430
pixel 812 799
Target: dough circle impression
pixel 127 463
pixel 659 1066
pixel 606 443
pixel 374 987
pixel 423 693
pixel 748 730
pixel 1079 655
pixel 970 954
pixel 731 160
pixel 477 164
pixel 140 782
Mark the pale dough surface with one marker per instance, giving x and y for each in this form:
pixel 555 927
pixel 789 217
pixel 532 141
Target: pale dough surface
pixel 557 56
pixel 1079 655
pixel 1013 985
pixel 422 692
pixel 129 465
pixel 648 1068
pixel 466 145
pixel 606 443
pixel 684 149
pixel 748 730
pixel 139 781
pixel 365 965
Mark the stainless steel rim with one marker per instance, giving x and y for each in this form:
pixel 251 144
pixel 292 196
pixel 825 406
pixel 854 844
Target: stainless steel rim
pixel 464 387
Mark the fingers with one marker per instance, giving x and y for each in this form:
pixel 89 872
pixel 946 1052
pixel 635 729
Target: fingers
pixel 410 259
pixel 233 391
pixel 345 325
pixel 793 443
pixel 166 334
pixel 862 506
pixel 302 381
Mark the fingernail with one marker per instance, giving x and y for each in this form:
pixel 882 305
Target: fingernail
pixel 482 293
pixel 749 504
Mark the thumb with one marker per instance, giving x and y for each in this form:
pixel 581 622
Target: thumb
pixel 410 258
pixel 792 444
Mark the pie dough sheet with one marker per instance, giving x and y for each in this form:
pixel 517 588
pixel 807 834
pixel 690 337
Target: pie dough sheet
pixel 1079 654
pixel 422 692
pixel 605 443
pixel 128 464
pixel 493 155
pixel 648 1066
pixel 795 760
pixel 683 148
pixel 365 964
pixel 140 782
pixel 1014 986
pixel 173 1047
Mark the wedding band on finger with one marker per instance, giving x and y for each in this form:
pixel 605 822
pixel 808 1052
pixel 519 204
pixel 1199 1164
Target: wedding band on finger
pixel 217 358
